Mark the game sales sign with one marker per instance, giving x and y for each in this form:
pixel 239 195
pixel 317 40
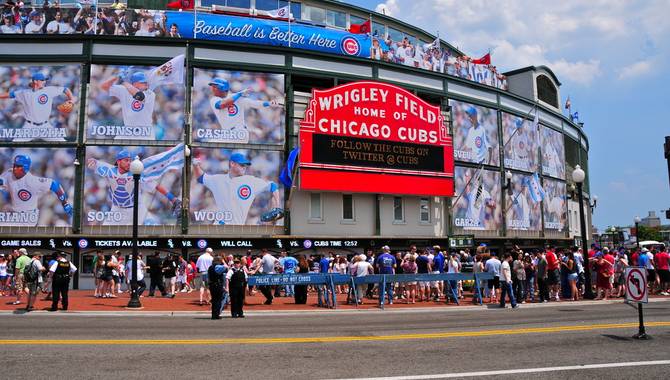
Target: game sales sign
pixel 371 137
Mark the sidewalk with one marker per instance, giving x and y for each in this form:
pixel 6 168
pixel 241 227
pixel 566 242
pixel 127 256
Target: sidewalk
pixel 83 301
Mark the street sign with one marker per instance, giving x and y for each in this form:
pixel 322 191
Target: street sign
pixel 636 285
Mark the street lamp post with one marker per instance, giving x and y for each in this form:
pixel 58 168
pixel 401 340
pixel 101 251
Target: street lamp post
pixel 578 177
pixel 136 168
pixel 637 232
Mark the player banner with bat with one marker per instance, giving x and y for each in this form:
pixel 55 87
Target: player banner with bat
pixel 522 209
pixel 238 107
pixel 236 187
pixel 553 153
pixel 555 205
pixel 476 137
pixel 137 102
pixel 36 187
pixel 477 205
pixel 520 138
pixel 372 137
pixel 39 103
pixel 108 185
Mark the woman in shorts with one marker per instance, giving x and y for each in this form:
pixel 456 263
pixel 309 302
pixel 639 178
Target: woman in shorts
pixel 409 267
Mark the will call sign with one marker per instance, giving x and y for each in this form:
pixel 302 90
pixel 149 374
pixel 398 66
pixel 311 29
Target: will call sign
pixel 375 137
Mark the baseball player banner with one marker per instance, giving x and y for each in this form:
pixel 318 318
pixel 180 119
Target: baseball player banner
pixel 39 103
pixel 553 153
pixel 523 206
pixel 475 133
pixel 521 141
pixel 108 195
pixel 136 102
pixel 555 207
pixel 238 107
pixel 478 204
pixel 236 187
pixel 36 187
pixel 219 27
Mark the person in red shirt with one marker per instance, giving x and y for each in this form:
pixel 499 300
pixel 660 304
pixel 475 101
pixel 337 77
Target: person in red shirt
pixel 634 257
pixel 593 250
pixel 662 260
pixel 604 271
pixel 553 273
pixel 610 259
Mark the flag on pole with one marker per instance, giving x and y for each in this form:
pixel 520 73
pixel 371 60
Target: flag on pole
pixel 157 165
pixel 534 188
pixel 485 60
pixel 171 72
pixel 568 104
pixel 181 4
pixel 283 12
pixel 536 120
pixel 286 175
pixel 434 44
pixel 574 117
pixel 362 28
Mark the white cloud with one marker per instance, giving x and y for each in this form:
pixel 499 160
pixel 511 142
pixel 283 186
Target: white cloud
pixel 389 8
pixel 580 41
pixel 635 70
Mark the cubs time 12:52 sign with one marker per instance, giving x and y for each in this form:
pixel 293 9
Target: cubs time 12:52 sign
pixel 371 137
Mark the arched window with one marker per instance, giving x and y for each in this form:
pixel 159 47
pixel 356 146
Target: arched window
pixel 546 91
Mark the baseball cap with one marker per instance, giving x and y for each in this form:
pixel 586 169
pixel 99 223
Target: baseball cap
pixel 209 250
pixel 138 76
pixel 122 154
pixel 239 158
pixel 39 76
pixel 220 83
pixel 34 13
pixel 645 250
pixel 472 111
pixel 23 251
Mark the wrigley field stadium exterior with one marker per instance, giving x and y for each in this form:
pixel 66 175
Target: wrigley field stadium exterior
pixel 359 129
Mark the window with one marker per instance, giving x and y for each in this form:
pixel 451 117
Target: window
pixel 315 211
pixel 336 18
pixel 398 212
pixel 228 3
pixel 395 35
pixel 356 20
pixel 424 210
pixel 546 91
pixel 315 14
pixel 378 30
pixel 347 207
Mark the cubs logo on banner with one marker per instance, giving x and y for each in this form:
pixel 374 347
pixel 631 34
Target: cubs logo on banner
pixel 372 137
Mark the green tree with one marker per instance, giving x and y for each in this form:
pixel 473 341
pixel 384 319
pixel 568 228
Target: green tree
pixel 649 233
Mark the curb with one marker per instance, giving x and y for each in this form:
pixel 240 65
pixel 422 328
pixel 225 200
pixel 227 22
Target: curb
pixel 167 313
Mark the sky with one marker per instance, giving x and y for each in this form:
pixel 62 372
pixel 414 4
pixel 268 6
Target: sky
pixel 612 58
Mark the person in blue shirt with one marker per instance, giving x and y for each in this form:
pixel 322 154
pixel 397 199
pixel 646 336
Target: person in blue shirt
pixel 324 267
pixel 386 264
pixel 289 264
pixel 216 279
pixel 438 267
pixel 324 263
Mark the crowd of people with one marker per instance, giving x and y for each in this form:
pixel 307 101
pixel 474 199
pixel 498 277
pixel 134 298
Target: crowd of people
pixel 545 275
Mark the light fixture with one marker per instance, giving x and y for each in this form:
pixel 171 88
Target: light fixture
pixel 136 167
pixel 508 183
pixel 187 151
pixel 76 162
pixel 578 174
pixel 638 219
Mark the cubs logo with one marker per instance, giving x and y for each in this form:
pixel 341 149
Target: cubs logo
pixel 478 142
pixel 24 195
pixel 350 46
pixel 121 181
pixel 233 110
pixel 202 243
pixel 281 12
pixel 136 105
pixel 307 244
pixel 43 99
pixel 521 145
pixel 244 192
pixel 83 243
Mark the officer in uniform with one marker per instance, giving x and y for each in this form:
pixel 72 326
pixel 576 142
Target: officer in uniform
pixel 216 275
pixel 236 284
pixel 61 271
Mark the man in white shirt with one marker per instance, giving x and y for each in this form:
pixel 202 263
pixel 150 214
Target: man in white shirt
pixel 36 24
pixel 58 26
pixel 141 284
pixel 506 282
pixel 202 266
pixel 268 263
pixel 362 268
pixel 34 286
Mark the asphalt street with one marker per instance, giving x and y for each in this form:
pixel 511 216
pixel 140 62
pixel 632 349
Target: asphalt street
pixel 369 344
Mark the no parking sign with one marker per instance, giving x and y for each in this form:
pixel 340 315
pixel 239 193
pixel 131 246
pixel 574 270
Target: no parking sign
pixel 636 285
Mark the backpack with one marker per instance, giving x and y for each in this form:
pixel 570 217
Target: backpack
pixel 30 272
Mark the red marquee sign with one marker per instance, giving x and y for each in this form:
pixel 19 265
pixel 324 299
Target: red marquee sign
pixel 371 137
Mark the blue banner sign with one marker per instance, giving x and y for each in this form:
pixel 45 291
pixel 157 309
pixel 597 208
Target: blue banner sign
pixel 217 27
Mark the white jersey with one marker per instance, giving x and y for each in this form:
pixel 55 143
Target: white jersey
pixel 478 143
pixel 234 195
pixel 476 206
pixel 556 208
pixel 135 113
pixel 551 160
pixel 36 105
pixel 26 191
pixel 34 28
pixel 121 185
pixel 59 27
pixel 521 213
pixel 233 117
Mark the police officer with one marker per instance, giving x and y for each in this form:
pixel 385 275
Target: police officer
pixel 216 278
pixel 236 283
pixel 61 271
